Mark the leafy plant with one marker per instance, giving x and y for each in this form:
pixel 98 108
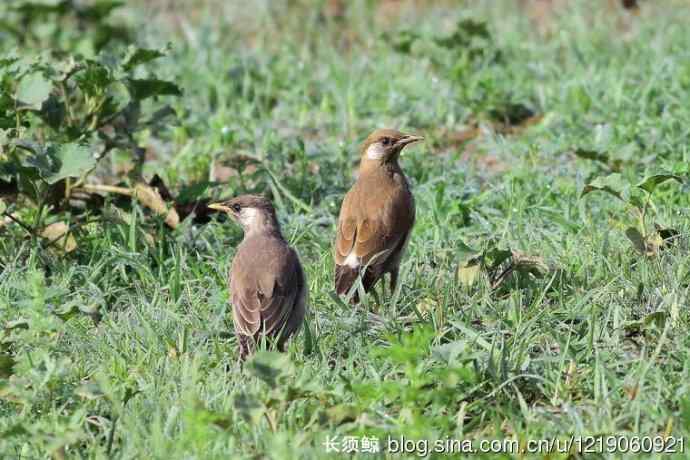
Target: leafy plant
pixel 497 262
pixel 71 25
pixel 62 114
pixel 469 57
pixel 646 235
pixel 417 389
pixel 277 390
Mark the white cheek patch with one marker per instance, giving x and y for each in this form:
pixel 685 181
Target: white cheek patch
pixel 375 151
pixel 249 216
pixel 352 260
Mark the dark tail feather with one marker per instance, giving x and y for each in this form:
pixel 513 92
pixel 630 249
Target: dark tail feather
pixel 345 278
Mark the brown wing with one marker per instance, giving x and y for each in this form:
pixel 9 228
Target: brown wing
pixel 265 285
pixel 373 223
pixel 347 227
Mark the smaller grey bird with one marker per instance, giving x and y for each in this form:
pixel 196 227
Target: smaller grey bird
pixel 268 287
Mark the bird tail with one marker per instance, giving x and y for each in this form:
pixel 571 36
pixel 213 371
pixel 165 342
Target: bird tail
pixel 345 278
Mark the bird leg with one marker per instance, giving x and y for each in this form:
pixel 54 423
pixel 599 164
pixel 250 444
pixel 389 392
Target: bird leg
pixel 394 280
pixel 377 300
pixel 244 346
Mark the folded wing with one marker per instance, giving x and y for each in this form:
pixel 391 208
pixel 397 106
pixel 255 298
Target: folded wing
pixel 370 231
pixel 268 289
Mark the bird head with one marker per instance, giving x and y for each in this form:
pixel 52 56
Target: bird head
pixel 385 145
pixel 254 213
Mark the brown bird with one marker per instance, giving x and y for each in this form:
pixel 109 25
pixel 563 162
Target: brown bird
pixel 376 217
pixel 268 287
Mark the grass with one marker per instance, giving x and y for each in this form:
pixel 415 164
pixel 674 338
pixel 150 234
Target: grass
pixel 598 346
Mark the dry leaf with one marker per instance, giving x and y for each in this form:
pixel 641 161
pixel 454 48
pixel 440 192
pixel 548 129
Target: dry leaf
pixel 646 246
pixel 58 235
pixel 149 239
pixel 631 391
pixel 150 198
pixel 426 306
pixel 464 135
pixel 314 168
pixel 468 273
pixel 532 264
pixel 570 373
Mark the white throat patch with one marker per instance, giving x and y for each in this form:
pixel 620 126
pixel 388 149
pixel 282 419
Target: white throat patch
pixel 375 151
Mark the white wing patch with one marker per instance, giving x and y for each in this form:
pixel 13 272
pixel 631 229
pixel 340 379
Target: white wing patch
pixel 351 260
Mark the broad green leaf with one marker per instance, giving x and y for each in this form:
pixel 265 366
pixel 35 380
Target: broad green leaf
pixel 465 252
pixel 495 256
pixel 636 199
pixel 143 89
pixel 650 183
pixel 658 319
pixel 33 90
pixel 3 206
pixel 39 6
pixel 17 324
pixel 342 413
pixel 637 240
pixel 94 79
pixel 466 33
pixel 68 66
pixel 117 100
pixel 612 184
pixel 54 113
pixel 56 162
pixel 6 370
pixel 38 159
pixel 66 312
pixel 192 193
pixel 248 407
pixel 136 56
pixel 593 155
pixel 71 160
pixel 159 117
pixel 270 366
pixel 99 10
pixel 402 41
pixel 7 59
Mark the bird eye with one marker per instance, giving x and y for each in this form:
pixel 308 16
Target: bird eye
pixel 236 207
pixel 386 141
